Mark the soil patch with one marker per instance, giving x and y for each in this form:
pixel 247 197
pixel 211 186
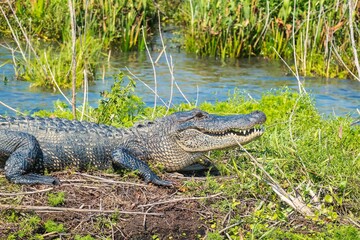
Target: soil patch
pixel 104 206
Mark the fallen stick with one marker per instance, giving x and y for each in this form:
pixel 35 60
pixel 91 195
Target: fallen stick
pixel 64 209
pixel 25 193
pixel 295 202
pixel 178 200
pixel 105 180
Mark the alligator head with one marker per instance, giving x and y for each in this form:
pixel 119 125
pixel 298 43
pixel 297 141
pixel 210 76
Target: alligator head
pixel 199 131
pixel 180 139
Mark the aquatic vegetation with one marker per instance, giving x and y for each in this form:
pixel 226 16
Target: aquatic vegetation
pixel 49 66
pixel 100 25
pixel 114 22
pixel 119 23
pixel 221 28
pixel 315 34
pixel 316 37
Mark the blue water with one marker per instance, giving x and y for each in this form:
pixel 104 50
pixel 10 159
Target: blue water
pixel 200 79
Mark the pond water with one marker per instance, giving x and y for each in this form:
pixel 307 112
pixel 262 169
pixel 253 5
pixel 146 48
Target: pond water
pixel 199 79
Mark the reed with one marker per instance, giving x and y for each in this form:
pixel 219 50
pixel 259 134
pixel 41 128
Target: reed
pixel 321 37
pixel 57 60
pixel 115 22
pixel 309 32
pixel 221 28
pixel 119 22
pixel 99 25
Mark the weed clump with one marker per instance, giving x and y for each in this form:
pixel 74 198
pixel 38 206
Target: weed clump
pixel 56 199
pixel 120 106
pixel 53 227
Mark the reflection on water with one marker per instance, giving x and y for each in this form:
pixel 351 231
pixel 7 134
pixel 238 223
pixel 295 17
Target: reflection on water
pixel 200 79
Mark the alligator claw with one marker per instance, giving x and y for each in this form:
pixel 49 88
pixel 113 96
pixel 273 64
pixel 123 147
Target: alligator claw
pixel 32 178
pixel 163 183
pixel 158 181
pixel 50 181
pixel 56 181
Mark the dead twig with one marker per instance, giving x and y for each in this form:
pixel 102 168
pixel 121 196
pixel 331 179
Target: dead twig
pixel 192 178
pixel 26 193
pixel 12 109
pixel 353 222
pixel 64 209
pixel 154 72
pixel 230 226
pixel 294 202
pixel 179 200
pixel 104 180
pixel 73 59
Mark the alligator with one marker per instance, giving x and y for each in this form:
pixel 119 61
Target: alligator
pixel 31 145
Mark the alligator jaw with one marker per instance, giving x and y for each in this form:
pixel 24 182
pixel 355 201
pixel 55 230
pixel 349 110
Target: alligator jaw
pixel 205 132
pixel 194 140
pixel 236 132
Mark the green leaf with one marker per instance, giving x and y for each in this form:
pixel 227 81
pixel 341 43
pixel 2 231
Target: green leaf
pixel 328 199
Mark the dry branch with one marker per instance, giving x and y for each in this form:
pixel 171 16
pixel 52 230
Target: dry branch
pixel 64 209
pixel 178 200
pixel 26 193
pixel 104 180
pixel 295 202
pixel 73 50
pixel 12 109
pixel 352 37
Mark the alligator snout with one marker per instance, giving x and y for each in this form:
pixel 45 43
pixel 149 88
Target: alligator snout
pixel 259 116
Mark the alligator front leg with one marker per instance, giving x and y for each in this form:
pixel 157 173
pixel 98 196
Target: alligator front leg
pixel 24 159
pixel 123 158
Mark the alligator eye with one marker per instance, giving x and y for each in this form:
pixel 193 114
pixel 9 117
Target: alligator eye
pixel 200 115
pixel 140 125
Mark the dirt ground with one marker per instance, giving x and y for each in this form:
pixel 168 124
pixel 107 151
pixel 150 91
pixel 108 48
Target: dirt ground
pixel 107 206
pixel 103 206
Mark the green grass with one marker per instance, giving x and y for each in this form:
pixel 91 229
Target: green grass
pixel 51 226
pixel 305 152
pixel 56 199
pixel 312 156
pixel 315 30
pixel 28 225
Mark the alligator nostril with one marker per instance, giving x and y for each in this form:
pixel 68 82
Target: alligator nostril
pixel 259 115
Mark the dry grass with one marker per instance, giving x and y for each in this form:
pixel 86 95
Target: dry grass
pixel 104 206
pixel 108 206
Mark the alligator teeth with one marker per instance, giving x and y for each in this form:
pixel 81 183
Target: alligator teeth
pixel 236 132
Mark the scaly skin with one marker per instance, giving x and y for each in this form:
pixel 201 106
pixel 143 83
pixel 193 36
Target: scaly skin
pixel 28 145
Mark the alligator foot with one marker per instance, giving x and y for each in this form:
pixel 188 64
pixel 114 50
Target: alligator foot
pixel 24 159
pixel 123 158
pixel 33 178
pixel 158 181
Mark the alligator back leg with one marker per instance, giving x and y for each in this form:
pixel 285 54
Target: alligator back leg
pixel 123 158
pixel 23 158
